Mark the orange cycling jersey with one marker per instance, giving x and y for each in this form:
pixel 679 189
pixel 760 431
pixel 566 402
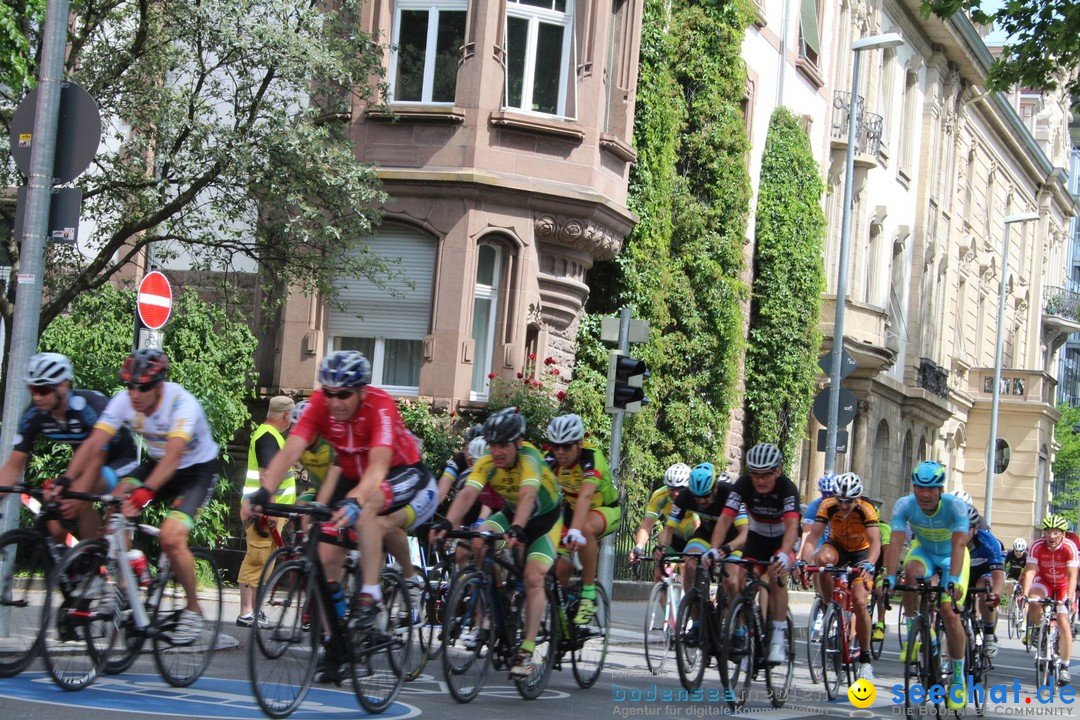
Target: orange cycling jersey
pixel 847 533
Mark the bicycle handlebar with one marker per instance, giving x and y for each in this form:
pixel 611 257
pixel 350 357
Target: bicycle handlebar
pixel 317 510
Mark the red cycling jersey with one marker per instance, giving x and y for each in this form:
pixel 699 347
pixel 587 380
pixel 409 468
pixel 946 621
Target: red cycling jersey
pixel 377 423
pixel 1053 564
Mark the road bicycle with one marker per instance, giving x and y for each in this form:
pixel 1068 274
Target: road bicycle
pixel 815 626
pixel 923 662
pixel 977 665
pixel 587 643
pixel 839 644
pixel 297 608
pixel 98 613
pixel 747 636
pixel 699 624
pixel 27 555
pixel 661 614
pixel 1017 617
pixel 875 607
pixel 484 620
pixel 1045 642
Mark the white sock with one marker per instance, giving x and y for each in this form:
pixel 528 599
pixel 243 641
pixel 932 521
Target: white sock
pixel 374 591
pixel 778 629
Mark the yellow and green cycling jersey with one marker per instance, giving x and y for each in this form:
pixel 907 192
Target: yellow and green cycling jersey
pixel 659 508
pixel 591 467
pixel 317 459
pixel 529 470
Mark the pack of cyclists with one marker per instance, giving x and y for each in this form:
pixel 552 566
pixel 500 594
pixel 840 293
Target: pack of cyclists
pixel 360 459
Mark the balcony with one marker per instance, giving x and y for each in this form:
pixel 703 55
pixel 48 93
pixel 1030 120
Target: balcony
pixel 1060 317
pixel 868 126
pixel 933 378
pixel 1017 386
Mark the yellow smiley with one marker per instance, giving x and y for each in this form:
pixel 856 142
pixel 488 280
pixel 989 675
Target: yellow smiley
pixel 862 693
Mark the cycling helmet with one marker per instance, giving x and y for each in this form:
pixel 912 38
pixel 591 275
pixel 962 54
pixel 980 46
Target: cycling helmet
pixel 764 456
pixel 477 448
pixel 297 411
pixel 474 432
pixel 702 480
pixel 929 474
pixel 48 369
pixel 677 476
pixel 504 426
pixel 964 495
pixel 972 515
pixel 345 369
pixel 726 477
pixel 565 429
pixel 825 483
pixel 1055 522
pixel 146 365
pixel 1020 545
pixel 848 486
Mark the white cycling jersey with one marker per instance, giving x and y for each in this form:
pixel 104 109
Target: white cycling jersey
pixel 178 414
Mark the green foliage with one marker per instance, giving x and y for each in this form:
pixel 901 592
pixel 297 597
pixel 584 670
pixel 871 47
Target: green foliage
pixel 1043 46
pixel 681 267
pixel 781 359
pixel 437 431
pixel 1067 462
pixel 16 16
pixel 211 356
pixel 533 394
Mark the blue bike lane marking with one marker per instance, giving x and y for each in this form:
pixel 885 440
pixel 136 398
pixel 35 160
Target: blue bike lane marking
pixel 207 698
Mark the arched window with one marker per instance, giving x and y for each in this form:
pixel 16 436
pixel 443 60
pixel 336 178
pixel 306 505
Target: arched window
pixel 489 266
pixel 879 461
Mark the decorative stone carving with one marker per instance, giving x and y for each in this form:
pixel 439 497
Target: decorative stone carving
pixel 599 241
pixel 534 315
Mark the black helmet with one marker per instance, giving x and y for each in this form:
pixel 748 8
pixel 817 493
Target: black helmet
pixel 474 432
pixel 504 426
pixel 145 366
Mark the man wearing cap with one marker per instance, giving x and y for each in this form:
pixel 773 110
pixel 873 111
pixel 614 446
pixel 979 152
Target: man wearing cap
pixel 266 441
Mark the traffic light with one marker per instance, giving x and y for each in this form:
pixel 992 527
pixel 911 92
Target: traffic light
pixel 624 378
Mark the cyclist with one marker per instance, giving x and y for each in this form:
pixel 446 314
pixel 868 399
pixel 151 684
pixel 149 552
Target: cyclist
pixel 317 459
pixel 987 569
pixel 591 508
pixel 1051 572
pixel 939 525
pixel 182 464
pixel 676 477
pixel 965 496
pixel 62 415
pixel 457 467
pixel 854 540
pixel 1016 559
pixel 383 490
pixel 825 483
pixel 531 518
pixel 706 496
pixel 772 504
pixel 877 634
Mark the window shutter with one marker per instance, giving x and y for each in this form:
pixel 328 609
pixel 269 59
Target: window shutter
pixel 810 25
pixel 403 310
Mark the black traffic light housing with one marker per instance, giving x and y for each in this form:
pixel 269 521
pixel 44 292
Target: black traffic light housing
pixel 624 379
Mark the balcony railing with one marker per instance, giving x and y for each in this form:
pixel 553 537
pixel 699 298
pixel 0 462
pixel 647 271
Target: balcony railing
pixel 933 378
pixel 868 126
pixel 1063 303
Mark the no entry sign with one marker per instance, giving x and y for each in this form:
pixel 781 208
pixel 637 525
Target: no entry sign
pixel 154 301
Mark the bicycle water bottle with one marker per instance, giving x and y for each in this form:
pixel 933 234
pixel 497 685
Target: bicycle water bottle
pixel 337 599
pixel 140 566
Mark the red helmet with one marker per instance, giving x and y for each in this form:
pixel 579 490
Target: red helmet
pixel 146 365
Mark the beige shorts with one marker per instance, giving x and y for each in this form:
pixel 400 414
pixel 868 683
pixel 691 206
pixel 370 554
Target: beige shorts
pixel 251 567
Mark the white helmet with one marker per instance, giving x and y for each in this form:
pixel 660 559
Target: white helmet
pixel 478 447
pixel 1020 545
pixel 297 411
pixel 964 495
pixel 48 369
pixel 677 476
pixel 763 456
pixel 565 429
pixel 848 486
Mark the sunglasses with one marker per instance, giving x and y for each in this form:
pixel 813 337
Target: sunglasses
pixel 338 394
pixel 141 387
pixel 562 446
pixel 845 501
pixel 42 389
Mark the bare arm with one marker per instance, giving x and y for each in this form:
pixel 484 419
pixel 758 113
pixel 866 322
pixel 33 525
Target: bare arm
pixel 810 540
pixel 9 474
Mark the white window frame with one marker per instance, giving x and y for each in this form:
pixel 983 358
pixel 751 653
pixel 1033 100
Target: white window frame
pixel 484 357
pixel 378 361
pixel 536 16
pixel 434 8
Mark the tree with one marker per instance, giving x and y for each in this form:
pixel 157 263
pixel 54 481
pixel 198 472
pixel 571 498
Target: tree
pixel 16 17
pixel 224 140
pixel 1067 464
pixel 1043 46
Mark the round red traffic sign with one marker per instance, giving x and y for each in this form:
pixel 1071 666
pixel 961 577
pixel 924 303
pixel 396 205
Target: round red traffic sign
pixel 154 300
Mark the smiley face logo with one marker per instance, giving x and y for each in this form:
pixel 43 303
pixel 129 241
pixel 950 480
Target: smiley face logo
pixel 862 693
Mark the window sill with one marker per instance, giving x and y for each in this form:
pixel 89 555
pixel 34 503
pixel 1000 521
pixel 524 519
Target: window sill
pixel 448 114
pixel 810 72
pixel 618 148
pixel 528 123
pixel 759 13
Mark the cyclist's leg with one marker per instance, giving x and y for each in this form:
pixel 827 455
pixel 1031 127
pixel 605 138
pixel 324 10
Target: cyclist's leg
pixel 190 489
pixel 397 523
pixel 539 556
pixel 826 554
pixel 1064 628
pixel 1038 589
pixel 955 634
pixel 860 595
pixel 599 523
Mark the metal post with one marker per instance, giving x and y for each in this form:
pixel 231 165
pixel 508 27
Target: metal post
pixel 605 571
pixel 991 442
pixel 24 325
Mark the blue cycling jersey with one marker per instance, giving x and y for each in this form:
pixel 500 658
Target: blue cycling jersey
pixel 934 532
pixel 808 519
pixel 987 553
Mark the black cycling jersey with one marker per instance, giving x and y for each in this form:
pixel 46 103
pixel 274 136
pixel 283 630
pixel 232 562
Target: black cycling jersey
pixel 766 511
pixel 83 409
pixel 686 502
pixel 1015 564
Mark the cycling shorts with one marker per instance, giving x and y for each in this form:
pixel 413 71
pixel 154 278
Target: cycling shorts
pixel 542 533
pixel 701 541
pixel 111 472
pixel 189 489
pixel 935 563
pixel 1058 591
pixel 761 547
pixel 399 490
pixel 847 557
pixel 609 514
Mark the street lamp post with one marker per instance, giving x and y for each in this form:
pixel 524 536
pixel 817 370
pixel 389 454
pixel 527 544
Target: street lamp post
pixel 868 43
pixel 991 443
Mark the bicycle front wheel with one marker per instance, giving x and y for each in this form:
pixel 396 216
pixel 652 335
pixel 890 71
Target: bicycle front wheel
pixel 976 661
pixel 284 648
pixel 778 677
pixel 79 616
pixel 659 633
pixel 691 639
pixel 181 659
pixel 590 642
pixel 740 647
pixel 26 564
pixel 832 651
pixel 467 637
pixel 876 646
pixel 379 653
pixel 814 632
pixel 914 654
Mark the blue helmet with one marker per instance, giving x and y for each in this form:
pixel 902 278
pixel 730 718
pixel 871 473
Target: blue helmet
pixel 929 473
pixel 825 483
pixel 345 368
pixel 702 479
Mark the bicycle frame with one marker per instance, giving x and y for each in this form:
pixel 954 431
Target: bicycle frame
pixel 843 599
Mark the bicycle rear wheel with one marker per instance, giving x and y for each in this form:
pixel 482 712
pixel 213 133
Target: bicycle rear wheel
pixel 739 648
pixel 778 677
pixel 814 631
pixel 182 663
pixel 590 642
pixel 1043 651
pixel 380 652
pixel 436 590
pixel 80 616
pixel 547 643
pixel 691 639
pixel 876 646
pixel 975 666
pixel 915 669
pixel 26 564
pixel 283 650
pixel 467 637
pixel 832 651
pixel 416 652
pixel 659 635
